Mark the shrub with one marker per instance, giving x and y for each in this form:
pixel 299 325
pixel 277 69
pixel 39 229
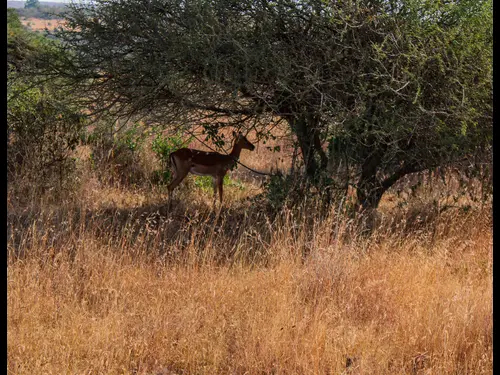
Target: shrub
pixel 42 133
pixel 115 154
pixel 163 146
pixel 43 124
pixel 284 190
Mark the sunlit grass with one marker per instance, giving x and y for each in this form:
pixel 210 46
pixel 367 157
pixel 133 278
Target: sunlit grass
pixel 110 282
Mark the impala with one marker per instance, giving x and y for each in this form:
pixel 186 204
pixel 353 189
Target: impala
pixel 201 163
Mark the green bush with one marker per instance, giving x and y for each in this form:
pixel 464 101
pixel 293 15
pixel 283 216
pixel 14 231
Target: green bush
pixel 132 138
pixel 283 190
pixel 43 123
pixel 42 129
pixel 206 183
pixel 116 154
pixel 163 146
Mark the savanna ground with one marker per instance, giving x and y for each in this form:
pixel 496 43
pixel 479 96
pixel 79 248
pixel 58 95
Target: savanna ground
pixel 103 280
pixel 39 24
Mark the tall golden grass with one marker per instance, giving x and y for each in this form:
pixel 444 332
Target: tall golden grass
pixel 113 284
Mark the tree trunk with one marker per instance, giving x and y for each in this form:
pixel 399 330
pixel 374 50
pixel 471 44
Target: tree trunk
pixel 371 189
pixel 319 149
pixel 305 133
pixel 369 192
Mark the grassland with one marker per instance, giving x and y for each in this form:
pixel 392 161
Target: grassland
pixel 105 281
pixel 39 24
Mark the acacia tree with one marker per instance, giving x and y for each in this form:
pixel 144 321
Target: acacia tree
pixel 32 4
pixel 394 87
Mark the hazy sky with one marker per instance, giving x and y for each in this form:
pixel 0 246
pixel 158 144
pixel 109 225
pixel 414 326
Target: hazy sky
pixel 50 1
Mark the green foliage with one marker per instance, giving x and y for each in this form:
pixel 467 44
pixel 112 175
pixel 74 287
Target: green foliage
pixel 43 123
pixel 116 151
pixel 162 147
pixel 13 21
pixel 284 190
pixel 43 131
pixel 18 40
pixel 40 123
pixel 206 183
pixel 132 138
pixel 31 4
pixel 287 190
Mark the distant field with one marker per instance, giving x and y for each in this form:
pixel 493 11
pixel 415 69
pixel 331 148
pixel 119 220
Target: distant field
pixel 20 4
pixel 37 24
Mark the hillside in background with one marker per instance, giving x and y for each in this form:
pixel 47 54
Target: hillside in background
pixel 20 4
pixel 39 19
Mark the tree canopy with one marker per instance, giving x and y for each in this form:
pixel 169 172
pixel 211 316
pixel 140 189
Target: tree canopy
pixel 32 4
pixel 386 87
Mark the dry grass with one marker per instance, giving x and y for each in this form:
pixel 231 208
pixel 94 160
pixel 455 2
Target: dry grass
pixel 111 284
pixel 39 24
pixel 92 302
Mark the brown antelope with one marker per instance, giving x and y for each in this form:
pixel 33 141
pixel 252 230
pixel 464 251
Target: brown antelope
pixel 203 163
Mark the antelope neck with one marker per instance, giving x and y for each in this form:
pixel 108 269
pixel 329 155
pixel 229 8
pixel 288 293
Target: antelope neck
pixel 236 151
